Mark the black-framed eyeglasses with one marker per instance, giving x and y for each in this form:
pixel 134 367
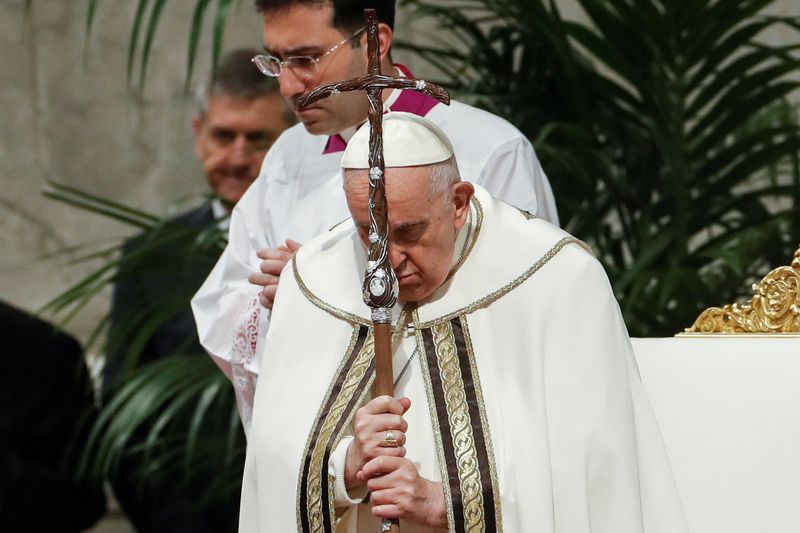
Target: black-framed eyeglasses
pixel 302 66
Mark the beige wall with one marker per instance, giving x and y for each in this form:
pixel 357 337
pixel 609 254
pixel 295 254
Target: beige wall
pixel 76 122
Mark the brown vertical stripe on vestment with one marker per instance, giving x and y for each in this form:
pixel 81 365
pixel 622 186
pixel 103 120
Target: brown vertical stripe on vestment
pixel 466 448
pixel 444 427
pixel 336 437
pixel 468 374
pixel 357 344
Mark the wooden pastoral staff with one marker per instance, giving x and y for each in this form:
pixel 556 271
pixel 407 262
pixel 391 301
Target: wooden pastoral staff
pixel 380 287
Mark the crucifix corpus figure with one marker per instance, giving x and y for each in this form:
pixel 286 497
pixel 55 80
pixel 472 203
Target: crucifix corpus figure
pixel 519 406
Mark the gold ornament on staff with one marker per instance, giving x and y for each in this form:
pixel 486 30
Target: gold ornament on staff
pixel 380 288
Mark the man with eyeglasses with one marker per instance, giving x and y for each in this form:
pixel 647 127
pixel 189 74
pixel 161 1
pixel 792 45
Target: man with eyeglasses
pixel 299 192
pixel 240 115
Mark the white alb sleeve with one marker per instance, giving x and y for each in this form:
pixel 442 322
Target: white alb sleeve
pixel 336 465
pixel 512 173
pixel 231 323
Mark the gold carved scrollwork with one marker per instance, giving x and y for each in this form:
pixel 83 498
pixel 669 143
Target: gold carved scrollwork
pixel 774 308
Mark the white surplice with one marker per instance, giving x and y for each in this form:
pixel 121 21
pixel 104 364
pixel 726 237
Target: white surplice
pixel 299 195
pixel 544 408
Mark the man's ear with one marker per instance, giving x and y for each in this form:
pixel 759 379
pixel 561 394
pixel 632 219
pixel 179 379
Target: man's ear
pixel 385 36
pixel 197 129
pixel 462 195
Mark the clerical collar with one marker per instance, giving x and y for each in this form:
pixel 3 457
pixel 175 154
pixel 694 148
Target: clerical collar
pixel 347 133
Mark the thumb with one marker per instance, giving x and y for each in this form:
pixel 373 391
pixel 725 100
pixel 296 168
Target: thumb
pixel 292 245
pixel 406 403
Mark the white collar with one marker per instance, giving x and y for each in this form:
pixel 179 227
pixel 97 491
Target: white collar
pixel 220 213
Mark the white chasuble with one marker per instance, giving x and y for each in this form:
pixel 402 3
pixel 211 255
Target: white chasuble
pixel 525 399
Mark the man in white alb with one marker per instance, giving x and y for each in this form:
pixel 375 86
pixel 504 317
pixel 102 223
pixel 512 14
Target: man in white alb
pixel 518 402
pixel 298 194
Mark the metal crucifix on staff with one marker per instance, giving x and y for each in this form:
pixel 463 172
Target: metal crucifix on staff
pixel 380 287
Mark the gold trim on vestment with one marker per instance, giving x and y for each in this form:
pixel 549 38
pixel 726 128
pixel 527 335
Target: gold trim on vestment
pixel 505 289
pixel 460 427
pixel 471 239
pixel 300 481
pixel 485 424
pixel 437 430
pixel 481 302
pixel 460 424
pixel 317 448
pixel 337 416
pixel 774 307
pixel 368 391
pixel 335 311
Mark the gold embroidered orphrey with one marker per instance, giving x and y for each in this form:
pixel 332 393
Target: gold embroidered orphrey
pixel 461 428
pixel 455 398
pixel 774 307
pixel 315 502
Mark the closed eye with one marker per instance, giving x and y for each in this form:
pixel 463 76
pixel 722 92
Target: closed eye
pixel 410 234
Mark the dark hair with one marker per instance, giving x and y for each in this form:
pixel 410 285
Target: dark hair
pixel 348 15
pixel 237 76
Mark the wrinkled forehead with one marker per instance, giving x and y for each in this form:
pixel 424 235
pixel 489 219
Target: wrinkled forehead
pixel 394 177
pixel 407 188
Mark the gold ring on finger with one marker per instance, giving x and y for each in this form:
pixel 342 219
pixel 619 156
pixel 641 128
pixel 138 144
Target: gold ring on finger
pixel 390 440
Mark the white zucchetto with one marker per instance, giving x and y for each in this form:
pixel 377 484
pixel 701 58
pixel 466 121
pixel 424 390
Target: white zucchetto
pixel 408 141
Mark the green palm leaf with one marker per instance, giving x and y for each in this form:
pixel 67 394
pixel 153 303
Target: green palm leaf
pixel 672 135
pixel 144 27
pixel 195 31
pixel 175 418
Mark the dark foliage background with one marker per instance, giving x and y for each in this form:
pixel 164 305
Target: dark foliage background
pixel 664 126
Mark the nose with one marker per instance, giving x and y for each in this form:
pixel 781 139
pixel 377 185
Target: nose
pixel 396 256
pixel 290 84
pixel 239 150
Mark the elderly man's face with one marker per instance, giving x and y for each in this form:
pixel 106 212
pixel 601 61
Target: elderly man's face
pixel 422 228
pixel 232 139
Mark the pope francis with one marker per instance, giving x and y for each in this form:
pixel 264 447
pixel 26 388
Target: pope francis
pixel 519 406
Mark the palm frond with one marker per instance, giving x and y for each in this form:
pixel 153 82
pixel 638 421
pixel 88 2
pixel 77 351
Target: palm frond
pixel 97 204
pixel 181 403
pixel 662 126
pixel 144 28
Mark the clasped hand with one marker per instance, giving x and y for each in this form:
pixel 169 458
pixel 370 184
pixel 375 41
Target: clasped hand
pixel 396 489
pixel 273 261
